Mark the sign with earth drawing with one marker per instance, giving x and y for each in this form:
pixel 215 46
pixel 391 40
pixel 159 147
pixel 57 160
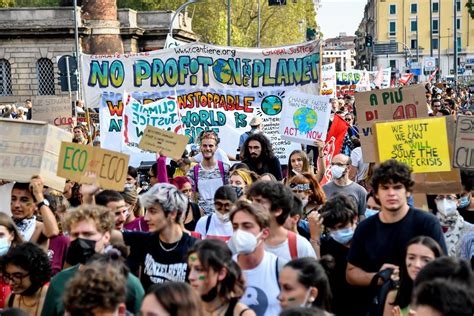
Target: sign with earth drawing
pixel 305 118
pixel 215 88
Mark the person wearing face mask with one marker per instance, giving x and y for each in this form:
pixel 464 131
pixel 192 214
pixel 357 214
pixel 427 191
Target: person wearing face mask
pixel 339 217
pixel 260 268
pixel 89 228
pixel 134 220
pixel 193 212
pixel 341 183
pixel 466 202
pixel 217 224
pixel 304 283
pixel 455 229
pixel 241 180
pixel 307 188
pixel 27 269
pixel 217 279
pixel 9 238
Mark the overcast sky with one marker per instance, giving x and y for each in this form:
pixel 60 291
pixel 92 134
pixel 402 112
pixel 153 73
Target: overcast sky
pixel 336 16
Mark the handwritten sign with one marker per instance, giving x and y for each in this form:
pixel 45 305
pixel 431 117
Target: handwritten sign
pixel 92 165
pixel 464 144
pixel 328 80
pixel 421 144
pixel 305 118
pixel 56 111
pixel 169 144
pixel 30 148
pixel 383 105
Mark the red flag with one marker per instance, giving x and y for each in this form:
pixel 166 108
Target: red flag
pixel 431 77
pixel 333 145
pixel 405 78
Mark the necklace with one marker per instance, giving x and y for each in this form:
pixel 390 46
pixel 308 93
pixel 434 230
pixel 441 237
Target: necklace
pixel 168 250
pixel 36 302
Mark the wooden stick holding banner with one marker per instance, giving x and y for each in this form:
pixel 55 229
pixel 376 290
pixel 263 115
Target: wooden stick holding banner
pixel 79 162
pixel 169 144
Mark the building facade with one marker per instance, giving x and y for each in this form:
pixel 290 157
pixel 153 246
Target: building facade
pixel 410 34
pixel 341 51
pixel 32 39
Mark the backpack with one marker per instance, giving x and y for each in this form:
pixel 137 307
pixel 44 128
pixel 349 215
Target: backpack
pixel 378 293
pixel 292 245
pixel 220 164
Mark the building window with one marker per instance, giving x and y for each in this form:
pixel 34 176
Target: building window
pixel 435 43
pixel 393 63
pixel 435 26
pixel 459 45
pixel 45 75
pixel 413 25
pixel 414 8
pixel 458 5
pixel 458 24
pixel 413 44
pixel 393 9
pixel 392 28
pixel 5 78
pixel 435 7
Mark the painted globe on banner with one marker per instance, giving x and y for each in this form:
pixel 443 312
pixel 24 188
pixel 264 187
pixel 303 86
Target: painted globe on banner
pixel 305 119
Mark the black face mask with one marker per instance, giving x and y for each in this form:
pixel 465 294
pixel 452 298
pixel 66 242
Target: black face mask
pixel 80 250
pixel 210 296
pixel 238 190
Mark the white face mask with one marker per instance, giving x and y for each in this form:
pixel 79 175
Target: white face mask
pixel 446 207
pixel 337 172
pixel 4 246
pixel 243 242
pixel 305 202
pixel 224 218
pixel 129 186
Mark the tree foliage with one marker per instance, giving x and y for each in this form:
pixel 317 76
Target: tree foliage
pixel 280 25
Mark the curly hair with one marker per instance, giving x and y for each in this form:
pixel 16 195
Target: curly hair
pixel 392 171
pixel 267 150
pixel 339 209
pixel 100 215
pixel 31 258
pixel 214 254
pixel 98 286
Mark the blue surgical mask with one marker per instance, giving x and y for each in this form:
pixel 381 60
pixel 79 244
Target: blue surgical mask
pixel 343 236
pixel 4 246
pixel 464 201
pixel 370 212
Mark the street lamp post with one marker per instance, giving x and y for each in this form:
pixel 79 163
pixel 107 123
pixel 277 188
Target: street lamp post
pixel 178 11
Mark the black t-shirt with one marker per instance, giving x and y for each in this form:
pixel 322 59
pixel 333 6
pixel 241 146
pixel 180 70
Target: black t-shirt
pixel 375 243
pixel 347 299
pixel 271 165
pixel 158 265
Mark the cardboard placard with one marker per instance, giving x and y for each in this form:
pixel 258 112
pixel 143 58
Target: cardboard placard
pixel 56 111
pixel 463 154
pixel 420 143
pixel 438 182
pixel 30 148
pixel 93 165
pixel 304 118
pixel 383 105
pixel 170 144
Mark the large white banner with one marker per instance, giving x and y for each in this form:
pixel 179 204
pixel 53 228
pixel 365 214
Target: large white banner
pixel 219 88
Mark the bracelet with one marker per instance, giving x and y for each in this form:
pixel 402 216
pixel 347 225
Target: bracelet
pixel 317 242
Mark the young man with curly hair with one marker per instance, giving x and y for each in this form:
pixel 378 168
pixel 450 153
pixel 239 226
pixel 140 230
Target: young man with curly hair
pixel 89 228
pixel 258 155
pixel 380 240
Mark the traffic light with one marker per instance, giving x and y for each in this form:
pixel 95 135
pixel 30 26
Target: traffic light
pixel 276 2
pixel 368 41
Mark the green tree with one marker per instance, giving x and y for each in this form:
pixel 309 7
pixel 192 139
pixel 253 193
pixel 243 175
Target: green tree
pixel 280 25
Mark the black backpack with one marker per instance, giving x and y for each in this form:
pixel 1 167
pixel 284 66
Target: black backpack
pixel 378 293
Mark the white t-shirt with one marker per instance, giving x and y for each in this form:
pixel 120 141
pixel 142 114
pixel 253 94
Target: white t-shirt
pixel 303 249
pixel 261 294
pixel 218 155
pixel 217 229
pixel 358 162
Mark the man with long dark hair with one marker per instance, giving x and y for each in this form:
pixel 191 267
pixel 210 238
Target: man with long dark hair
pixel 258 155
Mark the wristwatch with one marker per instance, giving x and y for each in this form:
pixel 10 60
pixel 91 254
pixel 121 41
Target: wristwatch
pixel 40 204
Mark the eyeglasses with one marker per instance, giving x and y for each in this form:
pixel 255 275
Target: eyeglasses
pixel 14 277
pixel 220 205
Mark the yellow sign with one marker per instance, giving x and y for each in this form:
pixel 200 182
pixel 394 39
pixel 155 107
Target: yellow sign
pixel 421 143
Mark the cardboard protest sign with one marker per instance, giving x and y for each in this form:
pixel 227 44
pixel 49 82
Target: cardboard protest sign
pixel 56 111
pixel 305 118
pixel 30 148
pixel 464 144
pixel 421 143
pixel 437 182
pixel 93 165
pixel 328 80
pixel 169 144
pixel 384 105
